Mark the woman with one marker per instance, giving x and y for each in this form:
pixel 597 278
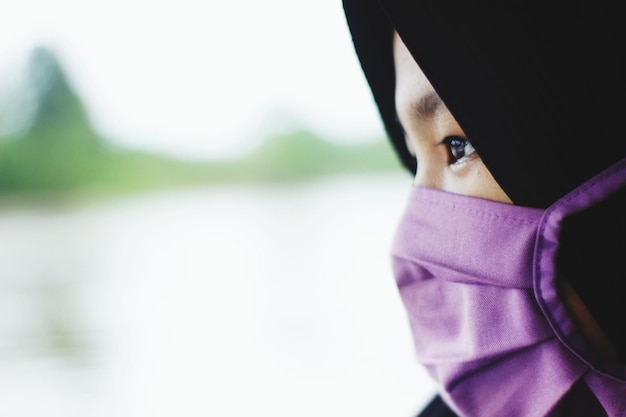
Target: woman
pixel 509 255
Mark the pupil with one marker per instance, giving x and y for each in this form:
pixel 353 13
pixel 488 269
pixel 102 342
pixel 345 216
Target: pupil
pixel 457 148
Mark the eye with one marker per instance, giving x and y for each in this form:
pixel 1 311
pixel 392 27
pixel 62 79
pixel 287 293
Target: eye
pixel 459 148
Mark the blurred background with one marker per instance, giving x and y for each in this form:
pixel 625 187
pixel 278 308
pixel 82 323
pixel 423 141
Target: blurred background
pixel 197 203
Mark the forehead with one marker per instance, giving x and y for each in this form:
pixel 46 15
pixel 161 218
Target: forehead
pixel 410 80
pixel 414 95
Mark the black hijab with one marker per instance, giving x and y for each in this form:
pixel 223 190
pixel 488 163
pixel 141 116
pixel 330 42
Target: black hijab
pixel 539 87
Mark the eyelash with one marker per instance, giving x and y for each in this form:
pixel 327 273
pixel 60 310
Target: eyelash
pixel 459 148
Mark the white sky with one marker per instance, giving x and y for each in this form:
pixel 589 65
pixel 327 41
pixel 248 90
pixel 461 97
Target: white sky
pixel 199 78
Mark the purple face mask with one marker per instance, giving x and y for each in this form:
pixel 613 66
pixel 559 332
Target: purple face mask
pixel 478 280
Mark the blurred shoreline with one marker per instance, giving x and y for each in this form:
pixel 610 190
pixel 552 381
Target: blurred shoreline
pixel 58 156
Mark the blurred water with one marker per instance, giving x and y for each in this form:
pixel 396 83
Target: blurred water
pixel 267 301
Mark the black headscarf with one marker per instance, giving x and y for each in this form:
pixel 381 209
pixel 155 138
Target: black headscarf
pixel 539 88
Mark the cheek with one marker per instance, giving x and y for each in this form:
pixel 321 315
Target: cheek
pixel 477 181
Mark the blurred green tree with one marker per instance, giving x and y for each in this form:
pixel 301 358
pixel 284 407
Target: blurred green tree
pixel 58 143
pixel 58 112
pixel 59 152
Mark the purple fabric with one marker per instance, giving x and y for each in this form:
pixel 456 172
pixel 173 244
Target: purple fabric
pixel 477 278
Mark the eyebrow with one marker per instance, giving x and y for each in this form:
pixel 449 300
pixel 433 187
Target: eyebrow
pixel 427 106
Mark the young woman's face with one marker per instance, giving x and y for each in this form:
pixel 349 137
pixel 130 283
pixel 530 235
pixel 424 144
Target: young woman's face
pixel 446 160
